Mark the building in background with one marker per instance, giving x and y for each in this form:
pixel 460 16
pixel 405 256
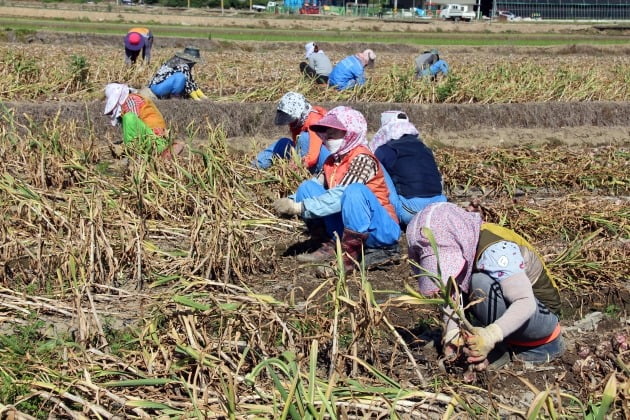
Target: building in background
pixel 561 9
pixel 523 9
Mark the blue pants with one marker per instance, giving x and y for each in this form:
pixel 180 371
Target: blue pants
pixel 360 211
pixel 406 208
pixel 283 148
pixel 174 85
pixel 540 325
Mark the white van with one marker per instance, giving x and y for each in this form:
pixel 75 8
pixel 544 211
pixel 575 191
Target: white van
pixel 457 12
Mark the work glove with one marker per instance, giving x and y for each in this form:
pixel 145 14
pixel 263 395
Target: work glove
pixel 481 341
pixel 287 207
pixel 451 342
pixel 200 94
pixel 194 95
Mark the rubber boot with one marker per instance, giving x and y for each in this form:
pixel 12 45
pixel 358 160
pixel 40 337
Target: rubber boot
pixel 326 252
pixel 374 257
pixel 352 247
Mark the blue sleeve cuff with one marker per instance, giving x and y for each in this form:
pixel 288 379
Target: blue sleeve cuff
pixel 323 205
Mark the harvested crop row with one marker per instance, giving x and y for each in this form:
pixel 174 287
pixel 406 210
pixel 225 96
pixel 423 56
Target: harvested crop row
pixel 52 72
pixel 209 214
pixel 184 247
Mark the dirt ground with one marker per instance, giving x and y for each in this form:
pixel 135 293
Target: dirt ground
pixel 250 125
pixel 589 331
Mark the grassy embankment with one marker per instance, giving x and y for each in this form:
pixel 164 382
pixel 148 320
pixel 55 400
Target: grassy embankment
pixel 438 38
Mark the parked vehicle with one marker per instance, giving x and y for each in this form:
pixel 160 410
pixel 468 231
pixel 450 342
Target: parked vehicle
pixel 309 9
pixel 259 8
pixel 508 15
pixel 273 6
pixel 457 12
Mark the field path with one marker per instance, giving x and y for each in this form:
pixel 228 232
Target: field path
pixel 467 125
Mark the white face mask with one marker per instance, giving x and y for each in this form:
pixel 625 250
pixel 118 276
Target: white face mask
pixel 334 144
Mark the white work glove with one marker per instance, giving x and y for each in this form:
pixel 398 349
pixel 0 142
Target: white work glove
pixel 451 343
pixel 481 341
pixel 287 207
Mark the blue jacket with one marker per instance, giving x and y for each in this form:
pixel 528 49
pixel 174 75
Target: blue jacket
pixel 436 68
pixel 347 73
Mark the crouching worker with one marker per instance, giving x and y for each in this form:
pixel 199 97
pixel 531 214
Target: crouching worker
pixel 429 64
pixel 174 78
pixel 350 71
pixel 411 171
pixel 317 65
pixel 350 197
pixel 138 39
pixel 296 112
pixel 142 123
pixel 518 301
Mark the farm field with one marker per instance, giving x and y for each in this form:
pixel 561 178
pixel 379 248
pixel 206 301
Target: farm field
pixel 136 288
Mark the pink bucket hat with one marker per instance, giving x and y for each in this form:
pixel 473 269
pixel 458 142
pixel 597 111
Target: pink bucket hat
pixel 349 120
pixel 134 41
pixel 329 121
